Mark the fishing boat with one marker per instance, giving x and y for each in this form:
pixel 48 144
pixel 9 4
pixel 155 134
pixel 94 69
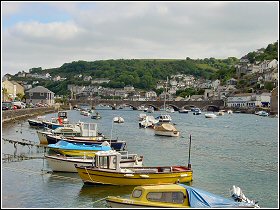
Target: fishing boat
pixel 38 122
pixel 177 196
pixel 210 115
pixel 62 163
pixel 166 129
pixel 164 118
pixel 78 149
pixel 58 121
pixel 81 129
pixel 107 170
pixel 118 119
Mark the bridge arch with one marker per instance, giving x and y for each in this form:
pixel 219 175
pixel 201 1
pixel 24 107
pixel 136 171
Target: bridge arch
pixel 211 108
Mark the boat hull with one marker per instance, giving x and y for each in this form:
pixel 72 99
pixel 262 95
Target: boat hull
pixel 116 145
pixel 117 202
pixel 69 152
pixel 65 164
pixel 43 137
pixel 95 176
pixel 167 133
pixel 36 123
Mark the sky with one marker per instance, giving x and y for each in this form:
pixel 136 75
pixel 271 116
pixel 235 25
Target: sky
pixel 49 34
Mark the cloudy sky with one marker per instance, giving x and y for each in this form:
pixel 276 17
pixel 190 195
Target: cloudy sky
pixel 49 34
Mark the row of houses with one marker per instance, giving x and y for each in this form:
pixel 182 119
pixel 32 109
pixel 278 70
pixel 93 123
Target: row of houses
pixel 267 68
pixel 42 95
pixel 11 90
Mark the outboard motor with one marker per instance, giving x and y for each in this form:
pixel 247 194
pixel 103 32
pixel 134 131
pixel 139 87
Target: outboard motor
pixel 237 195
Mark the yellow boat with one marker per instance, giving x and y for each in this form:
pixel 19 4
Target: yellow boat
pixel 107 170
pixel 176 196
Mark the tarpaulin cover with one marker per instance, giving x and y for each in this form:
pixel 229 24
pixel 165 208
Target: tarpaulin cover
pixel 202 199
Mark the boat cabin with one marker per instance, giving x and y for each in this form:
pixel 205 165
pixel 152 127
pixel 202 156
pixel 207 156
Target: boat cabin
pixel 88 129
pixel 108 160
pixel 164 118
pixel 168 195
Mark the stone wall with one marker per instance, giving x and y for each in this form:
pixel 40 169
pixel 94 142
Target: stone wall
pixel 13 115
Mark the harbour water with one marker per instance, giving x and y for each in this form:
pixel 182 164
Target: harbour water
pixel 237 149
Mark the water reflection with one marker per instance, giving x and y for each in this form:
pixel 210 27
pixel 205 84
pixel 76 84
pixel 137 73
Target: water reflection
pixel 95 195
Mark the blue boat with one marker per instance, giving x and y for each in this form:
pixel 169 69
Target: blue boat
pixel 78 149
pixel 115 144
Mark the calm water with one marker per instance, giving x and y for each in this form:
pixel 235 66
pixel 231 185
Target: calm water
pixel 238 149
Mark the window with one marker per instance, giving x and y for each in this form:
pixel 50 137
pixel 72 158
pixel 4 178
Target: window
pixel 41 94
pixel 167 197
pixel 136 193
pixel 103 162
pixel 30 94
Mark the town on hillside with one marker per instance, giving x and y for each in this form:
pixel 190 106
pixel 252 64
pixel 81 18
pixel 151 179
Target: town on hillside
pixel 260 77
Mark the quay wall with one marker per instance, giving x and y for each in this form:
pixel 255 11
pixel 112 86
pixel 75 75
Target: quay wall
pixel 13 115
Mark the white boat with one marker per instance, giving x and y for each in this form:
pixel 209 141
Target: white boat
pixel 170 110
pixel 150 109
pixel 166 129
pixel 67 164
pixel 184 111
pixel 196 111
pixel 164 118
pixel 148 121
pixel 142 116
pixel 210 115
pixel 263 113
pixel 230 111
pixel 42 135
pixel 118 119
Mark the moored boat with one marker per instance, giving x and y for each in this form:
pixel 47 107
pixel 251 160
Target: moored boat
pixel 38 122
pixel 118 119
pixel 210 115
pixel 176 196
pixel 166 129
pixel 78 149
pixel 67 164
pixel 114 143
pixel 196 111
pixel 110 172
pixel 164 118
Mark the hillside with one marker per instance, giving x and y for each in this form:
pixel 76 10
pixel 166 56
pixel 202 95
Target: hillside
pixel 145 73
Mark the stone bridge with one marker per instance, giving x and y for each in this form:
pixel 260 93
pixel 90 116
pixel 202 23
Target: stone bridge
pixel 213 105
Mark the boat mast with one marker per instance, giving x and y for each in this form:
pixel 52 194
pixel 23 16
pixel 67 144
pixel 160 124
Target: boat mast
pixel 165 94
pixel 189 162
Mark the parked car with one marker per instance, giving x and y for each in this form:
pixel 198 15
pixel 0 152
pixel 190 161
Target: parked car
pixel 19 104
pixel 6 105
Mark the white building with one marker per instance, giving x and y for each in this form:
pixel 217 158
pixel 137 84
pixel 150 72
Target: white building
pixel 249 100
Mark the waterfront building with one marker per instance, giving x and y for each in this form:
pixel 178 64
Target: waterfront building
pixel 249 100
pixel 12 88
pixel 39 94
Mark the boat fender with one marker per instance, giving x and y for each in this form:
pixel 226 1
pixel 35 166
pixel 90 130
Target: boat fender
pixel 144 175
pixel 128 175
